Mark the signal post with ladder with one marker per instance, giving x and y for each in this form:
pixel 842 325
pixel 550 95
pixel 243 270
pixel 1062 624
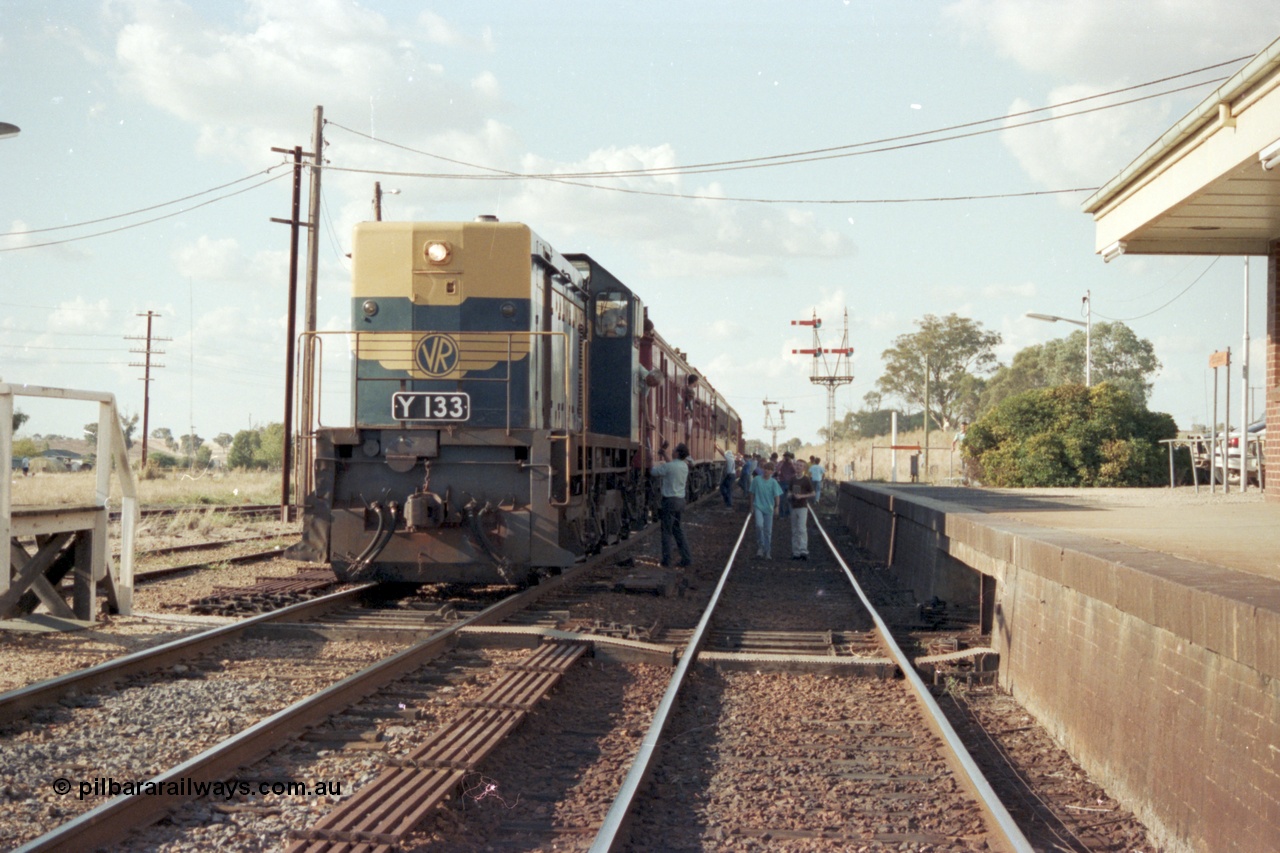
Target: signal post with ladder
pixel 832 367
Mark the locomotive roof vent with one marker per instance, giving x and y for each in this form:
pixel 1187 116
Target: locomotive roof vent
pixel 486 217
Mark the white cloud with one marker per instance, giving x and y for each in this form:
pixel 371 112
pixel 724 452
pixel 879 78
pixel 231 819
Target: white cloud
pixel 1005 291
pixel 1100 40
pixel 1095 46
pixel 251 86
pixel 208 259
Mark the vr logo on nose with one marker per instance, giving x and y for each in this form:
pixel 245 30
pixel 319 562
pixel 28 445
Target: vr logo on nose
pixel 437 355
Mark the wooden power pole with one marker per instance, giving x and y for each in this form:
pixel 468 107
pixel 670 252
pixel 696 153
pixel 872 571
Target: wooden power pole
pixel 146 366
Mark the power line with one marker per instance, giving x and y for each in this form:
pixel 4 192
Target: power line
pixel 145 221
pixel 60 334
pixel 1167 304
pixel 802 156
pixel 141 209
pixel 62 349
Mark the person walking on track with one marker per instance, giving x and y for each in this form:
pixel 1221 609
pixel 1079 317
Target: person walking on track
pixel 765 494
pixel 802 490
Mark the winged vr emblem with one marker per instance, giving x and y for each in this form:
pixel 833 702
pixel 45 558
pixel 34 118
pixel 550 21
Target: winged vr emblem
pixel 437 355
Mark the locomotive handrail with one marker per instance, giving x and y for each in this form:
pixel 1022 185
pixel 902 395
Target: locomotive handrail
pixel 315 341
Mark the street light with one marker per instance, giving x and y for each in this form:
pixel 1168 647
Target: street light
pixel 1087 322
pixel 7 130
pixel 378 193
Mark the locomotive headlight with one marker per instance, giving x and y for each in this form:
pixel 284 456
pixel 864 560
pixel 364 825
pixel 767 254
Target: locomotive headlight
pixel 369 307
pixel 438 252
pixel 508 310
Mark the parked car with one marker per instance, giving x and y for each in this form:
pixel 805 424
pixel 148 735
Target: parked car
pixel 1202 455
pixel 1256 437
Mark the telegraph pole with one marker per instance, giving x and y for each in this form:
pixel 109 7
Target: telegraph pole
pixel 146 365
pixel 306 405
pixel 291 333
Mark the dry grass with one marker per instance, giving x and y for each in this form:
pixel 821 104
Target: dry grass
pixel 180 489
pixel 944 465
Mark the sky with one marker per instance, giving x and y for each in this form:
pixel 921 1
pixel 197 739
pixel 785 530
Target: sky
pixel 143 178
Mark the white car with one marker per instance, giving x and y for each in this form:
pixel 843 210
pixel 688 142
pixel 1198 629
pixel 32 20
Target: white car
pixel 1256 436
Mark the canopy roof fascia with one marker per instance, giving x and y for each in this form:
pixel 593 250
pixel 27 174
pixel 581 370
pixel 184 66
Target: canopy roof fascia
pixel 1200 189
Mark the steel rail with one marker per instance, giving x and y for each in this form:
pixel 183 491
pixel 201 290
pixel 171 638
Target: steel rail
pixel 113 820
pixel 610 833
pixel 15 703
pixel 957 755
pixel 236 559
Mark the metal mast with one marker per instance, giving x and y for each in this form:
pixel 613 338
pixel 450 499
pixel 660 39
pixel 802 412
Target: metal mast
pixel 832 367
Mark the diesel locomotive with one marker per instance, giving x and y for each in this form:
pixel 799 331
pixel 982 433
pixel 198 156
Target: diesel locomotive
pixel 508 401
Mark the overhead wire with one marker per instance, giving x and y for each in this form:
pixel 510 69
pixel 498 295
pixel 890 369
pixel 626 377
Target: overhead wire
pixel 828 152
pixel 492 173
pixel 145 221
pixel 141 209
pixel 1180 294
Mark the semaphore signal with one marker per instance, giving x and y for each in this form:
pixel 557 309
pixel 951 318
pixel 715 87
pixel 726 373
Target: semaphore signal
pixel 832 366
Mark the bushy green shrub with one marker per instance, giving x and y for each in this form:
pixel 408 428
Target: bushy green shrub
pixel 1070 436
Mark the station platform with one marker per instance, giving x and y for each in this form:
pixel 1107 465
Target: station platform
pixel 1235 530
pixel 1140 626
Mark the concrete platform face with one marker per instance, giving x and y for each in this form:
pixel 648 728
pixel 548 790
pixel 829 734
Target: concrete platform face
pixel 1142 627
pixel 1236 530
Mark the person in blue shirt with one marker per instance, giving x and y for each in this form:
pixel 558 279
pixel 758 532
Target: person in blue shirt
pixel 765 493
pixel 816 473
pixel 673 476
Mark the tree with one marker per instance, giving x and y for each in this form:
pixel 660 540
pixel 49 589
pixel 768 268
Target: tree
pixel 127 427
pixel 1070 435
pixel 28 448
pixel 957 350
pixel 189 444
pixel 19 418
pixel 165 435
pixel 204 455
pixel 223 440
pixel 270 452
pixel 243 448
pixel 1119 357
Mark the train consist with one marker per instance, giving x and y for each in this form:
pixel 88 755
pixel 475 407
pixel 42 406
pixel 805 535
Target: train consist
pixel 508 401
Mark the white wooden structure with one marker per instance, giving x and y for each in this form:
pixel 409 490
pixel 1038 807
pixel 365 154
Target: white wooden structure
pixel 69 540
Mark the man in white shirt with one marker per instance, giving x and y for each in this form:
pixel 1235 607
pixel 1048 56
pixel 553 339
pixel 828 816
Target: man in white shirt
pixel 674 477
pixel 730 473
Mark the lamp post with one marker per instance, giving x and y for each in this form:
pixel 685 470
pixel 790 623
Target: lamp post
pixel 378 193
pixel 1087 323
pixel 7 130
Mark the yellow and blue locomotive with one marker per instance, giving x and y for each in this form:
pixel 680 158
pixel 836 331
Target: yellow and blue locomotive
pixel 507 402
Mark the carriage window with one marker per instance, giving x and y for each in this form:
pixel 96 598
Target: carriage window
pixel 611 315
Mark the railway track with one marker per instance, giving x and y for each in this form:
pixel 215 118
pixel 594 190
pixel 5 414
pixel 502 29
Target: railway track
pixel 785 726
pixel 870 760
pixel 431 632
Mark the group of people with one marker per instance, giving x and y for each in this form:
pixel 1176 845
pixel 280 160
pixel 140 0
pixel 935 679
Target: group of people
pixel 775 488
pixel 783 489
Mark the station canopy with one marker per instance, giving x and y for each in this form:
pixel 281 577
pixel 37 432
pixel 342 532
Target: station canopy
pixel 1203 188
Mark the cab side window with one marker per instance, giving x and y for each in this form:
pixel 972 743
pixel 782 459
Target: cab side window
pixel 611 316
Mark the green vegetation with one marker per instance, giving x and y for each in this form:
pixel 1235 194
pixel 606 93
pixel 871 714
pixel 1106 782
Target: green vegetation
pixel 1119 357
pixel 1070 436
pixel 257 449
pixel 954 351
